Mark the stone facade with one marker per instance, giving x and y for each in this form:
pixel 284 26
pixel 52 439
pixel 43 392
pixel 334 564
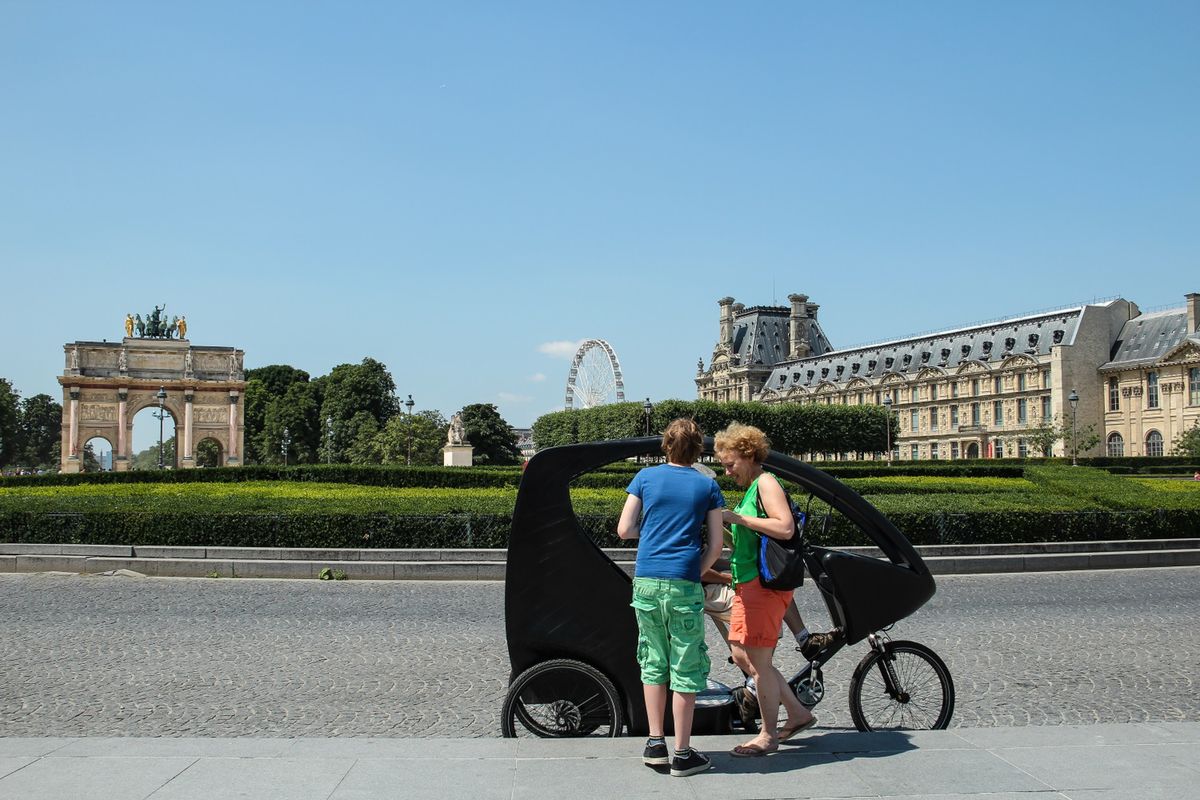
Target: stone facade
pixel 974 392
pixel 105 384
pixel 1152 383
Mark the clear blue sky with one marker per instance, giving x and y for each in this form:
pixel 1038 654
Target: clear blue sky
pixel 450 187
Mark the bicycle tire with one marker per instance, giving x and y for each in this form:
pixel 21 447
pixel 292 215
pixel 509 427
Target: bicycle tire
pixel 562 698
pixel 927 701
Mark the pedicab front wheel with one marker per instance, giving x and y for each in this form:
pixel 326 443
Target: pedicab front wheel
pixel 905 687
pixel 561 698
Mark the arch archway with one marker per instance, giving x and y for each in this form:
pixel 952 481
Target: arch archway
pixel 144 434
pixel 105 384
pixel 1116 445
pixel 1154 443
pixel 973 450
pixel 209 452
pixel 97 454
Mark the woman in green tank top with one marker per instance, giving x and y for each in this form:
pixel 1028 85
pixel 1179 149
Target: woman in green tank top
pixel 758 611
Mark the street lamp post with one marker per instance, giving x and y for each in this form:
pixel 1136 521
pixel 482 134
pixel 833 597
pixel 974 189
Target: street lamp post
pixel 162 399
pixel 1073 399
pixel 409 403
pixel 647 410
pixel 284 444
pixel 887 408
pixel 329 438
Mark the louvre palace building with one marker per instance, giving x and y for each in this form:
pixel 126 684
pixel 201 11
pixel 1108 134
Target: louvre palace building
pixel 978 391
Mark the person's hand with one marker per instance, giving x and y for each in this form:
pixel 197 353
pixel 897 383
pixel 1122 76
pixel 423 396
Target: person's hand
pixel 730 517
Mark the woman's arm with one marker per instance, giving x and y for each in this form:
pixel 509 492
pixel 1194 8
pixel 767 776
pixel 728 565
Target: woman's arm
pixel 778 524
pixel 629 526
pixel 712 550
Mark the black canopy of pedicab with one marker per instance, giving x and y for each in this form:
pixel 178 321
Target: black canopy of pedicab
pixel 565 598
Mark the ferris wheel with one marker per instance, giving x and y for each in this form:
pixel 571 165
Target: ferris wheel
pixel 595 377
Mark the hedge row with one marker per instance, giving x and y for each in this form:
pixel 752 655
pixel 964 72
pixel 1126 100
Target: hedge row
pixel 360 474
pixel 358 531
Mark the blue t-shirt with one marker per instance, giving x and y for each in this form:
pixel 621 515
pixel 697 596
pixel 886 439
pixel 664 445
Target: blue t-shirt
pixel 675 501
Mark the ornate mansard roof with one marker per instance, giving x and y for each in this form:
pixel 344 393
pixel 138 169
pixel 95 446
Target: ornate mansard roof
pixel 990 344
pixel 1148 338
pixel 761 336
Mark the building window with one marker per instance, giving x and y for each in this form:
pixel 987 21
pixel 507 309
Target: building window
pixel 933 451
pixel 954 451
pixel 998 449
pixel 998 413
pixel 1154 445
pixel 933 419
pixel 974 413
pixel 915 451
pixel 1045 379
pixel 913 395
pixel 1116 445
pixel 997 385
pixel 974 387
pixel 862 398
pixel 1022 411
pixel 878 397
pixel 1194 386
pixel 1152 392
pixel 912 423
pixel 1022 448
pixel 954 389
pixel 954 417
pixel 1020 381
pixel 1045 409
pixel 1114 395
pixel 933 391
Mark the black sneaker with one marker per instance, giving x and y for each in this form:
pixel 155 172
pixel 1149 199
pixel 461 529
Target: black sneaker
pixel 656 755
pixel 693 762
pixel 816 642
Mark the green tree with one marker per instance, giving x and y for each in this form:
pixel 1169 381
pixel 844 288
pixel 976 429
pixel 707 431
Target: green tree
pixel 1189 443
pixel 351 388
pixel 39 431
pixel 208 453
pixel 264 384
pixel 90 462
pixel 297 412
pixel 493 438
pixel 412 438
pixel 148 458
pixel 354 441
pixel 1043 438
pixel 10 446
pixel 276 378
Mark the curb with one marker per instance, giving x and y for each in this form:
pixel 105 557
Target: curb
pixel 489 565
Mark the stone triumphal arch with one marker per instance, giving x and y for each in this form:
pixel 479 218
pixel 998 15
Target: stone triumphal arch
pixel 105 384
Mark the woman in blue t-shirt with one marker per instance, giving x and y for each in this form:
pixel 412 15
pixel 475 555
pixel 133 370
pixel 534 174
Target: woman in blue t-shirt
pixel 665 510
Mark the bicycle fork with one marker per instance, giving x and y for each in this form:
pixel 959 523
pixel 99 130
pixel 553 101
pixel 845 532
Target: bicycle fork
pixel 887 668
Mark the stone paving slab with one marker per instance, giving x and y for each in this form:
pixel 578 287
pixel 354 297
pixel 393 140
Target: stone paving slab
pixel 826 764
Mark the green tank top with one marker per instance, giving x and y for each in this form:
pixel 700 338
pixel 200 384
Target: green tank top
pixel 743 558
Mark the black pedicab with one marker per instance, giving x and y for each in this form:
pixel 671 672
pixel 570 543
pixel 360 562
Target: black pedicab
pixel 572 636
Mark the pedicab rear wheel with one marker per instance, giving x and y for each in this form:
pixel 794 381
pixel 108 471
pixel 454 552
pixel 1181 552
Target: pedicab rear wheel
pixel 924 696
pixel 561 698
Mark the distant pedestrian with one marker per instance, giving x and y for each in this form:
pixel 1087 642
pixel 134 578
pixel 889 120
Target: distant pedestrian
pixel 1196 477
pixel 666 507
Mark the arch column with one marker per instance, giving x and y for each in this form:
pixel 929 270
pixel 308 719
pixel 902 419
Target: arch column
pixel 121 452
pixel 73 433
pixel 189 457
pixel 233 456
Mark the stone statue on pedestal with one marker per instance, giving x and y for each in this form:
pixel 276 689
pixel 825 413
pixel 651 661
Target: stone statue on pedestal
pixel 458 434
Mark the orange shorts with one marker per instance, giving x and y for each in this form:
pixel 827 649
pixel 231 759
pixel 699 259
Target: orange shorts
pixel 757 614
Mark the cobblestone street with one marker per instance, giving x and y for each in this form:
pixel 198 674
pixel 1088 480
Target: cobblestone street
pixel 115 656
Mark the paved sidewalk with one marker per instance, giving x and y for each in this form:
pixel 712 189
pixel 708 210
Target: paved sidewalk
pixel 1135 760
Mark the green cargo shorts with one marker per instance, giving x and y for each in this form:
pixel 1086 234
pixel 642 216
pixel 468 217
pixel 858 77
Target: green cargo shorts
pixel 670 617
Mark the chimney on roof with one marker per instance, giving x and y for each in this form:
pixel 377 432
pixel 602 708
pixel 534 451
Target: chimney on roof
pixel 798 346
pixel 726 305
pixel 1193 311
